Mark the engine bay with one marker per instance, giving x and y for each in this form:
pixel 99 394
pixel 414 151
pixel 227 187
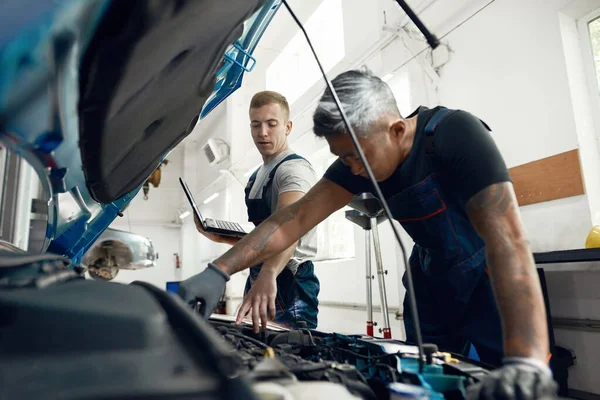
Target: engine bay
pixel 359 367
pixel 106 340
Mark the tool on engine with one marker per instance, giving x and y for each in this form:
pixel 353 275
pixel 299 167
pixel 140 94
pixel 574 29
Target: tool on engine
pixel 448 359
pixel 429 349
pixel 368 214
pixel 269 352
pixel 379 193
pixel 197 307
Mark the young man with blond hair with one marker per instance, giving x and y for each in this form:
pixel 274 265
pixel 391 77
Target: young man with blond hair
pixel 284 287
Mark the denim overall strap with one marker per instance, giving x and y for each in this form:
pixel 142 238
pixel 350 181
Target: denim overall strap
pixel 296 293
pixel 258 209
pixel 432 124
pixel 454 295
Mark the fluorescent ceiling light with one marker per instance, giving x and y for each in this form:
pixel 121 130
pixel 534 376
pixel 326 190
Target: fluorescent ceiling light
pixel 183 215
pixel 211 198
pixel 387 77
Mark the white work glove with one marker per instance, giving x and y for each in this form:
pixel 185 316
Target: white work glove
pixel 519 379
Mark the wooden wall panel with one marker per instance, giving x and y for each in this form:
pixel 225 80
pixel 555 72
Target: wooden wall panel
pixel 551 178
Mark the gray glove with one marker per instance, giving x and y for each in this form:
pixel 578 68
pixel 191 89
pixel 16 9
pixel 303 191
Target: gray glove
pixel 519 379
pixel 207 287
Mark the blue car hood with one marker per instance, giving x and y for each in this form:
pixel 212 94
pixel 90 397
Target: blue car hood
pixel 95 94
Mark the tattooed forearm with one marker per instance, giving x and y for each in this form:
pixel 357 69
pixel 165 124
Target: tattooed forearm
pixel 495 200
pixel 519 301
pixel 285 227
pixel 495 215
pixel 251 249
pixel 285 214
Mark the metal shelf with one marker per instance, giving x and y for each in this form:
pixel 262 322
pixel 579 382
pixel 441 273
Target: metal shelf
pixel 569 260
pixel 567 256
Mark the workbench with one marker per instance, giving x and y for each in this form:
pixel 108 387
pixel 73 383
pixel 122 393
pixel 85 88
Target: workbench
pixel 568 260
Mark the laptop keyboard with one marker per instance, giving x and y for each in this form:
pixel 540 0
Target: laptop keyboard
pixel 230 226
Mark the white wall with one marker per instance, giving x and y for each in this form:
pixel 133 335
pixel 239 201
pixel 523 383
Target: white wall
pixel 516 80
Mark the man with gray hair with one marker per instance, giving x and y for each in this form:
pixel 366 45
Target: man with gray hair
pixel 448 186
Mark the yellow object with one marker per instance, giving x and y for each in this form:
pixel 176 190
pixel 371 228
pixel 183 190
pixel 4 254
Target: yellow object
pixel 593 238
pixel 269 353
pixel 448 359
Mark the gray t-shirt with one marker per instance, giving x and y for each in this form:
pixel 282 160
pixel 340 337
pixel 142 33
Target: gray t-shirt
pixel 291 176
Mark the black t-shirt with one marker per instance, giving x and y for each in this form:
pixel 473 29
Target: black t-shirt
pixel 464 154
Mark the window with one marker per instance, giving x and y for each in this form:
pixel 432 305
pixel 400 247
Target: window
pixel 589 36
pixel 335 234
pixel 295 69
pixel 23 203
pixel 594 30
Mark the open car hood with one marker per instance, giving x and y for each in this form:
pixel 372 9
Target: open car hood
pixel 95 94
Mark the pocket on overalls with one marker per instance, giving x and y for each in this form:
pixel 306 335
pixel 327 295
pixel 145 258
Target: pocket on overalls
pixel 423 213
pixel 286 291
pixel 307 284
pixel 464 277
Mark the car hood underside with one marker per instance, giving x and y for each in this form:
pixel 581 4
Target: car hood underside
pixel 144 80
pixel 95 94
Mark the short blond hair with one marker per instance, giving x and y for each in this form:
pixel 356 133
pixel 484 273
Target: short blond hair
pixel 265 97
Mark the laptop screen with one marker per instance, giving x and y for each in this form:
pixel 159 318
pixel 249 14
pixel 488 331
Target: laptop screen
pixel 188 194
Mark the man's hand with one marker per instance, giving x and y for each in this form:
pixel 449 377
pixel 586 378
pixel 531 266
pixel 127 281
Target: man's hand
pixel 207 287
pixel 259 299
pixel 262 294
pixel 213 236
pixel 519 379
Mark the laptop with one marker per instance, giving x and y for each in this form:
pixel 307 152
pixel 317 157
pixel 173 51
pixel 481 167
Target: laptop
pixel 216 226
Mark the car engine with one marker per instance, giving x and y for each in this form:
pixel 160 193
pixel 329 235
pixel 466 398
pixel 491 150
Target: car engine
pixel 78 338
pixel 303 364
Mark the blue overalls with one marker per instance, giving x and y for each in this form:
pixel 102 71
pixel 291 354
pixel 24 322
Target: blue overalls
pixel 454 296
pixel 296 293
